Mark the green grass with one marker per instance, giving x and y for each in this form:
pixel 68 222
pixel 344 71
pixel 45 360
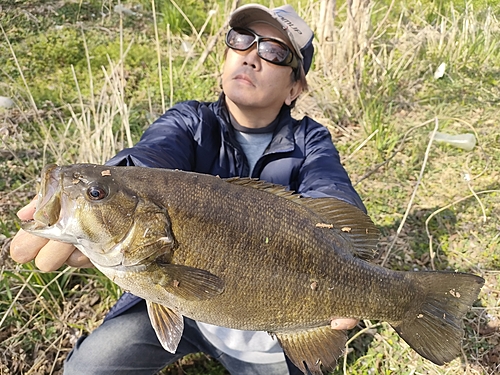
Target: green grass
pixel 86 83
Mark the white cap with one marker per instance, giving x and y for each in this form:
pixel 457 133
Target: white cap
pixel 285 19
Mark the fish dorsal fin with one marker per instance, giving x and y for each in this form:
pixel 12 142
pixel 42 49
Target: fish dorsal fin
pixel 347 220
pixel 337 215
pixel 255 183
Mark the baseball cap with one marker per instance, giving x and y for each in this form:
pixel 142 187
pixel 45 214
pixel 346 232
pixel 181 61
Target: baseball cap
pixel 286 20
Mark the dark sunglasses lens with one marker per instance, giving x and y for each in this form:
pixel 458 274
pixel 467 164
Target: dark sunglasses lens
pixel 272 51
pixel 240 40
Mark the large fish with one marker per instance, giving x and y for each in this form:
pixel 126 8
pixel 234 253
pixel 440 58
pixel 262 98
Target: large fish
pixel 248 255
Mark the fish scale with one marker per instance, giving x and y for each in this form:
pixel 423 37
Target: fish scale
pixel 246 254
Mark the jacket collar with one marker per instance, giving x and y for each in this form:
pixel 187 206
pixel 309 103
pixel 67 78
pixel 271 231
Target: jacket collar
pixel 283 137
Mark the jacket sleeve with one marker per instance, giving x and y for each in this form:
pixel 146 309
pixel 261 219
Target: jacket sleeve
pixel 167 143
pixel 322 174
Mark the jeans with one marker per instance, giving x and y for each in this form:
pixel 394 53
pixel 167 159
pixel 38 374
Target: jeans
pixel 127 344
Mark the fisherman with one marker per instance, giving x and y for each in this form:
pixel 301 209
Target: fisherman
pixel 248 132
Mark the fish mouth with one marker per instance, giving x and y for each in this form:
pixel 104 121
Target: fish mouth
pixel 48 207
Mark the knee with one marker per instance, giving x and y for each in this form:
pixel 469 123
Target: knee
pixel 77 359
pixel 125 344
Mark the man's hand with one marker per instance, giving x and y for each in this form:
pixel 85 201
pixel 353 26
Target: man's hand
pixel 344 323
pixel 48 255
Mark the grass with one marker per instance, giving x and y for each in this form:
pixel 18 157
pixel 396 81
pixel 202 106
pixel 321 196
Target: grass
pixel 87 82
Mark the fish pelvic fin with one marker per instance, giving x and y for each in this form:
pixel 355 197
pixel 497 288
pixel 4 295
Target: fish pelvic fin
pixel 167 324
pixel 312 348
pixel 189 283
pixel 435 328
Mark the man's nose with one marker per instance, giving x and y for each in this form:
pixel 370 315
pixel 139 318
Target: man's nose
pixel 252 58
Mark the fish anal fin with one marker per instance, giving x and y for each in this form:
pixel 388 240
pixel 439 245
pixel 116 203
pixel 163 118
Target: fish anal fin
pixel 167 324
pixel 190 283
pixel 314 347
pixel 434 329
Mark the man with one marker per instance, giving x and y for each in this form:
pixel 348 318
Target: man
pixel 247 132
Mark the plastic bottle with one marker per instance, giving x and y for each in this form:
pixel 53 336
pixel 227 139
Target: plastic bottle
pixel 465 141
pixel 6 102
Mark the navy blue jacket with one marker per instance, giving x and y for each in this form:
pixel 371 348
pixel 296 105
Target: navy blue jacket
pixel 199 137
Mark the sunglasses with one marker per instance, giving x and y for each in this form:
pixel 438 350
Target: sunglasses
pixel 268 49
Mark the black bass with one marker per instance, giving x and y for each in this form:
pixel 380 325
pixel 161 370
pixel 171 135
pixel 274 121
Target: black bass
pixel 247 255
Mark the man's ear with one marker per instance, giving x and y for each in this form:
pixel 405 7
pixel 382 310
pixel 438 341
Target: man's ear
pixel 294 92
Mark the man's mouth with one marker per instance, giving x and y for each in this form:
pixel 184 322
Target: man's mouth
pixel 244 78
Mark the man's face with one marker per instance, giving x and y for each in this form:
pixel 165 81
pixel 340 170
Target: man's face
pixel 250 82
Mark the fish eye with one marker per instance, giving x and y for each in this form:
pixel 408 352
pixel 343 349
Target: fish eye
pixel 96 193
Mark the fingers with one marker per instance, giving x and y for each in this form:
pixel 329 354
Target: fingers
pixel 48 255
pixel 26 213
pixel 344 323
pixel 25 247
pixel 53 255
pixel 77 259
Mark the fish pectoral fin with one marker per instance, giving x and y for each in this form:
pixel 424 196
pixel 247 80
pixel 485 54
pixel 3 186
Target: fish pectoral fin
pixel 190 283
pixel 168 325
pixel 313 347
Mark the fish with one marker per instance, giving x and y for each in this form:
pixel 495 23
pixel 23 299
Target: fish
pixel 249 255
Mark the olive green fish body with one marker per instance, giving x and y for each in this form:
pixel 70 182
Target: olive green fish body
pixel 298 274
pixel 245 254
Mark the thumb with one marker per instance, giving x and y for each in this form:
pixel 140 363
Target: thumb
pixel 26 213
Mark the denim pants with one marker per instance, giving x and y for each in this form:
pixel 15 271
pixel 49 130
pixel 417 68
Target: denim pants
pixel 127 344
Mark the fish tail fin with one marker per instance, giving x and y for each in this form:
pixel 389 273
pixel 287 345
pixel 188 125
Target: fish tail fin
pixel 434 327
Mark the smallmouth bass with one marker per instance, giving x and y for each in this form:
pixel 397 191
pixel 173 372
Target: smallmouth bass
pixel 248 255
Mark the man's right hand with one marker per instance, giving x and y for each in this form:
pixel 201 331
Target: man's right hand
pixel 48 255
